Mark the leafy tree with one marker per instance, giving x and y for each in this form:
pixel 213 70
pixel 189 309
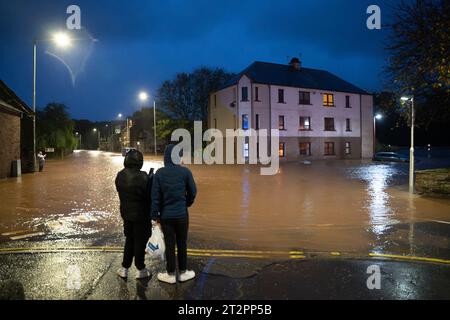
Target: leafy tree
pixel 419 48
pixel 54 129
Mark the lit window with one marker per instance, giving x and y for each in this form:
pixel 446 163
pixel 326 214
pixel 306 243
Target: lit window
pixel 281 123
pixel 328 100
pixel 245 122
pixel 305 123
pixel 282 150
pixel 348 148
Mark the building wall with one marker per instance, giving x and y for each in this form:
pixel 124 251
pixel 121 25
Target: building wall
pixel 10 142
pixel 367 126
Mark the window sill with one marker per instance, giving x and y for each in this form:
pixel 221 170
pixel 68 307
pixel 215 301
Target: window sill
pixel 333 106
pixel 282 129
pixel 244 100
pixel 305 104
pixel 282 102
pixel 334 130
pixel 305 129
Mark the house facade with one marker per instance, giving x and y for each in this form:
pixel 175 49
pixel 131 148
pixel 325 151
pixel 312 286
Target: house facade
pixel 319 115
pixel 16 135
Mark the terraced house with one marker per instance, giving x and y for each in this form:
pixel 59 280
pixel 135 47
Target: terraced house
pixel 319 115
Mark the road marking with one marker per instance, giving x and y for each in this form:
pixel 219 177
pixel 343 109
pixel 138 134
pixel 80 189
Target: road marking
pixel 411 258
pixel 13 232
pixel 29 235
pixel 439 221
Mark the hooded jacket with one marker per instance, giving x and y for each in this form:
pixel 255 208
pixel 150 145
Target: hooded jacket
pixel 173 189
pixel 133 186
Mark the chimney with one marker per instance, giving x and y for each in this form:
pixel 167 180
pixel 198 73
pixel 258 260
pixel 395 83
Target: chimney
pixel 295 63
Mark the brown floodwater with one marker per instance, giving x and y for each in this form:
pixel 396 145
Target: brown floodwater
pixel 326 205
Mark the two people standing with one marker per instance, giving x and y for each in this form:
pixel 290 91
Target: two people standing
pixel 163 198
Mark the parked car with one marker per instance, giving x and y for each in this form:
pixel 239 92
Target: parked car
pixel 126 150
pixel 389 157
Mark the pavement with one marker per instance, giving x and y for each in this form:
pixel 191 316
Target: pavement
pixel 89 274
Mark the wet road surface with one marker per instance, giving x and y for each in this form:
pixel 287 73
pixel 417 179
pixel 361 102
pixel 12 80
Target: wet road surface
pixel 350 206
pixel 313 224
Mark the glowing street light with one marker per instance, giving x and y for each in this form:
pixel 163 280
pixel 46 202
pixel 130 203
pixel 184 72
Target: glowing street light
pixel 411 149
pixel 119 116
pixel 143 96
pixel 378 116
pixel 62 40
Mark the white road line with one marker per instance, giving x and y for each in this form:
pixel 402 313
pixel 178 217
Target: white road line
pixel 29 235
pixel 13 232
pixel 439 221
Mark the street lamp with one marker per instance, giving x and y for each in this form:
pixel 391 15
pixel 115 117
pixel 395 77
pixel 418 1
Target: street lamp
pixel 62 40
pixel 411 149
pixel 144 97
pixel 378 116
pixel 98 137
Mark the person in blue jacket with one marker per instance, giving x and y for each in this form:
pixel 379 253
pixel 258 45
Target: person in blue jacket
pixel 173 192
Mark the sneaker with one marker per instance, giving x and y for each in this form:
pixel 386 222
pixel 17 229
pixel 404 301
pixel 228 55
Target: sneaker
pixel 144 273
pixel 167 278
pixel 122 272
pixel 186 275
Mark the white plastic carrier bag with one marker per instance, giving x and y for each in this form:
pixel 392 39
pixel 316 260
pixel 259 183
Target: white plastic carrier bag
pixel 155 245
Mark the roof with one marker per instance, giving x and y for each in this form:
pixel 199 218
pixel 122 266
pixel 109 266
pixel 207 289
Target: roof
pixel 10 99
pixel 285 75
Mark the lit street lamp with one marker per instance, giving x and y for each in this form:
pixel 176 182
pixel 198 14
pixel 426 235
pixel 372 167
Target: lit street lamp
pixel 144 97
pixel 378 116
pixel 98 137
pixel 62 40
pixel 411 150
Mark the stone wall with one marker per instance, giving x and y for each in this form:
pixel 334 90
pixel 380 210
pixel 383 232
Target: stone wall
pixel 10 142
pixel 435 181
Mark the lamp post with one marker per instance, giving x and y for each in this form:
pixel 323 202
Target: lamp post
pixel 79 139
pixel 98 137
pixel 411 149
pixel 144 97
pixel 61 40
pixel 375 118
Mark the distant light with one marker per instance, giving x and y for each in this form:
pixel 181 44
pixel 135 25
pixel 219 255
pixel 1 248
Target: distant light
pixel 379 117
pixel 143 96
pixel 62 39
pixel 95 129
pixel 119 115
pixel 76 133
pixel 405 98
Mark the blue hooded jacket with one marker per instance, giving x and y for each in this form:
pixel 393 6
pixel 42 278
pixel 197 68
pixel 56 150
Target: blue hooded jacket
pixel 173 189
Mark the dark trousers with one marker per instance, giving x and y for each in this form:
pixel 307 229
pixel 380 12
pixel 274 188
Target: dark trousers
pixel 41 166
pixel 137 235
pixel 175 232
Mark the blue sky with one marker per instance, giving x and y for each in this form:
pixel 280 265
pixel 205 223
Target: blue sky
pixel 142 43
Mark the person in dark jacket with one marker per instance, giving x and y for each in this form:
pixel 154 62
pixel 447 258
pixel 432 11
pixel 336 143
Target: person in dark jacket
pixel 173 191
pixel 133 186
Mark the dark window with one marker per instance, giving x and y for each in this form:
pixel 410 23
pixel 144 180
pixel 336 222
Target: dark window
pixel 280 95
pixel 257 121
pixel 256 94
pixel 282 150
pixel 329 124
pixel 245 121
pixel 328 100
pixel 347 102
pixel 305 123
pixel 215 123
pixel 305 148
pixel 348 148
pixel 329 149
pixel 244 94
pixel 348 126
pixel 304 98
pixel 281 123
pixel 215 101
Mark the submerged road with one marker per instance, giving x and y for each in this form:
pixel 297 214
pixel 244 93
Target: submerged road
pixel 310 231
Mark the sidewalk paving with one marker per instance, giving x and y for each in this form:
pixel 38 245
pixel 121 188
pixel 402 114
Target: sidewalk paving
pixel 55 276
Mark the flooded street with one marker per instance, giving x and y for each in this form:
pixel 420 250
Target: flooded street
pixel 346 206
